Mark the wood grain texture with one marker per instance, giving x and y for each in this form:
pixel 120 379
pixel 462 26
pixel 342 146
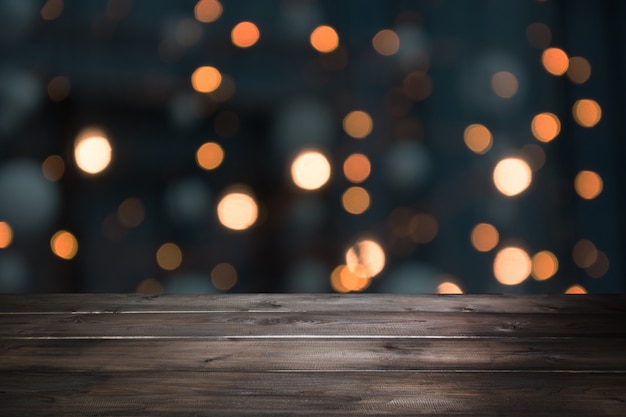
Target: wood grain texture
pixel 312 394
pixel 312 355
pixel 132 303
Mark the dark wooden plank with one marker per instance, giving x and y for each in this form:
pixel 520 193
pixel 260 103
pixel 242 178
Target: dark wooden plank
pixel 303 325
pixel 341 303
pixel 314 354
pixel 408 393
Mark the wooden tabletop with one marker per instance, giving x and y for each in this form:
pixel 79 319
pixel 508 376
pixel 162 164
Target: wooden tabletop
pixel 312 355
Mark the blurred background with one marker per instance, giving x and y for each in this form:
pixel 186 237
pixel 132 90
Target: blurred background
pixel 425 146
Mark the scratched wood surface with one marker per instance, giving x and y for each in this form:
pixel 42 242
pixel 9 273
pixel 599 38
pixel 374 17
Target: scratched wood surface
pixel 312 355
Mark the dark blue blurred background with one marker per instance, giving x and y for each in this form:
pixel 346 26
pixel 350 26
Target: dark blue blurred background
pixel 448 90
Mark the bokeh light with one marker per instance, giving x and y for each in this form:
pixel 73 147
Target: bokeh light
pixel 149 286
pixel 544 265
pixel 365 258
pixel 587 112
pixel 59 88
pixel 53 168
pixel 423 228
pixel 449 288
pixel 169 256
pixel 576 289
pixel 64 244
pixel 417 85
pixel 584 253
pixel 224 276
pixel 209 155
pixel 92 151
pixel 386 42
pixel 358 124
pixel 52 9
pixel 245 34
pixel 237 210
pixel 555 61
pixel 6 235
pixel 579 70
pixel 357 168
pixel 477 138
pixel 545 127
pixel 600 267
pixel 131 212
pixel 504 84
pixel 335 279
pixel 539 35
pixel 355 200
pixel 324 39
pixel 207 11
pixel 588 184
pixel 512 266
pixel 206 79
pixel 310 170
pixel 484 237
pixel 512 176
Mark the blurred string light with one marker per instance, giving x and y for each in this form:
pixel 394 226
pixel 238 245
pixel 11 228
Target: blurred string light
pixel 355 200
pixel 449 288
pixel 512 265
pixel 206 79
pixel 52 9
pixel 365 258
pixel 208 11
pixel 512 176
pixel 600 267
pixel 237 210
pixel 343 280
pixel 324 39
pixel 477 138
pixel 209 155
pixel 358 124
pixel 6 235
pixel 584 253
pixel 149 286
pixel 555 61
pixel 539 35
pixel 588 184
pixel 64 244
pixel 58 88
pixel 131 212
pixel 504 84
pixel 310 170
pixel 245 34
pixel 544 265
pixel 417 85
pixel 92 151
pixel 579 70
pixel 484 237
pixel 386 42
pixel 587 256
pixel 53 168
pixel 169 256
pixel 576 289
pixel 224 276
pixel 545 127
pixel 423 228
pixel 357 168
pixel 587 112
